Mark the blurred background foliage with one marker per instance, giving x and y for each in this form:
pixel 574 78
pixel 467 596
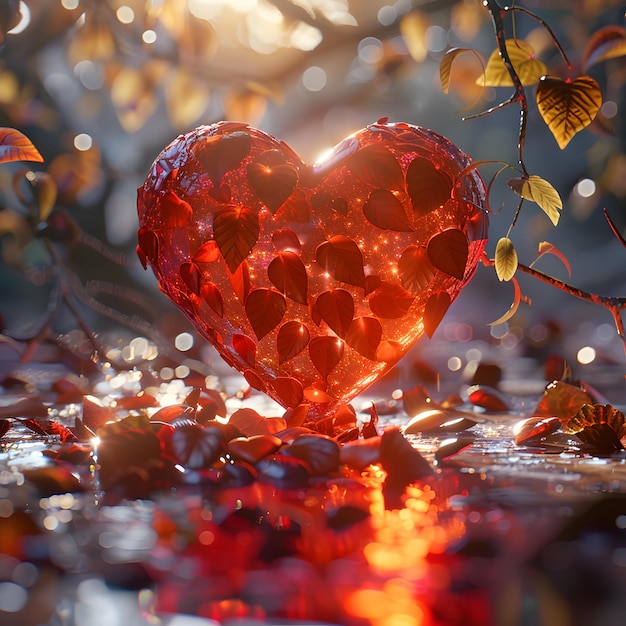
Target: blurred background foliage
pixel 101 86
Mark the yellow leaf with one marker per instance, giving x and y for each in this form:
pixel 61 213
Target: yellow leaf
pixel 445 67
pixel 568 107
pixel 413 28
pixel 522 56
pixel 517 298
pixel 540 191
pixel 505 259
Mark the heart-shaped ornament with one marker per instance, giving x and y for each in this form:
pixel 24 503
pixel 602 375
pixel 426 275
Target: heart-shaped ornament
pixel 312 281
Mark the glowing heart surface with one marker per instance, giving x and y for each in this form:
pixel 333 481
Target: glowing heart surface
pixel 312 281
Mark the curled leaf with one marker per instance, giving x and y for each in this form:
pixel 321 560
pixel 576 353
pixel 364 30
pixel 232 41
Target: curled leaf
pixel 607 43
pixel 505 259
pixel 545 247
pixel 540 191
pixel 517 298
pixel 445 67
pixel 568 107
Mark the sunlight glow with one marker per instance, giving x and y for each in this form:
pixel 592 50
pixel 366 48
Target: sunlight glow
pixel 586 355
pixel 125 14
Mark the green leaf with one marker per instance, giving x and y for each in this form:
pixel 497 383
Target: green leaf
pixel 505 259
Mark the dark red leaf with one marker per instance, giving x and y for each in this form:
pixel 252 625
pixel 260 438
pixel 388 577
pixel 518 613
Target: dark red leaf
pixel 245 348
pixel 5 425
pixel 253 449
pixel 175 213
pixel 415 270
pixel 376 165
pixel 487 399
pixel 319 452
pixel 342 259
pixel 249 423
pixel 385 210
pixel 240 281
pixel 364 336
pixel 236 230
pixel 218 155
pixel 190 273
pixel 148 245
pixel 390 301
pixel 211 294
pixel 534 429
pixel 272 183
pixel 429 187
pixel 285 239
pixel 208 252
pixel 288 274
pixel 448 251
pixel 254 380
pixel 290 390
pixel 193 446
pixel 436 307
pixel 292 338
pixel 325 353
pixel 173 412
pixel 265 309
pixel 372 282
pixel 336 308
pixel 361 453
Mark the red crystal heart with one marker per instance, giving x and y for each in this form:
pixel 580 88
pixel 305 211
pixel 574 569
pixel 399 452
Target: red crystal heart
pixel 312 281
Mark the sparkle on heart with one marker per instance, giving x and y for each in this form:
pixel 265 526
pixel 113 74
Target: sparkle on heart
pixel 312 281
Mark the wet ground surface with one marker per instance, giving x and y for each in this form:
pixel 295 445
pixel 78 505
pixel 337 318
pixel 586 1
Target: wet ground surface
pixel 500 533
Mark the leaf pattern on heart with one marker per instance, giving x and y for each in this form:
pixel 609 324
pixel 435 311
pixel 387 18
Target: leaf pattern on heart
pixel 220 154
pixel 175 213
pixel 364 336
pixel 292 338
pixel 273 184
pixel 245 348
pixel 290 390
pixel 391 301
pixel 436 307
pixel 341 257
pixel 385 210
pixel 208 252
pixel 148 244
pixel 415 270
pixel 236 230
pixel 448 251
pixel 288 274
pixel 240 281
pixel 190 273
pixel 212 295
pixel 286 240
pixel 377 165
pixel 325 353
pixel 336 308
pixel 265 309
pixel 429 186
